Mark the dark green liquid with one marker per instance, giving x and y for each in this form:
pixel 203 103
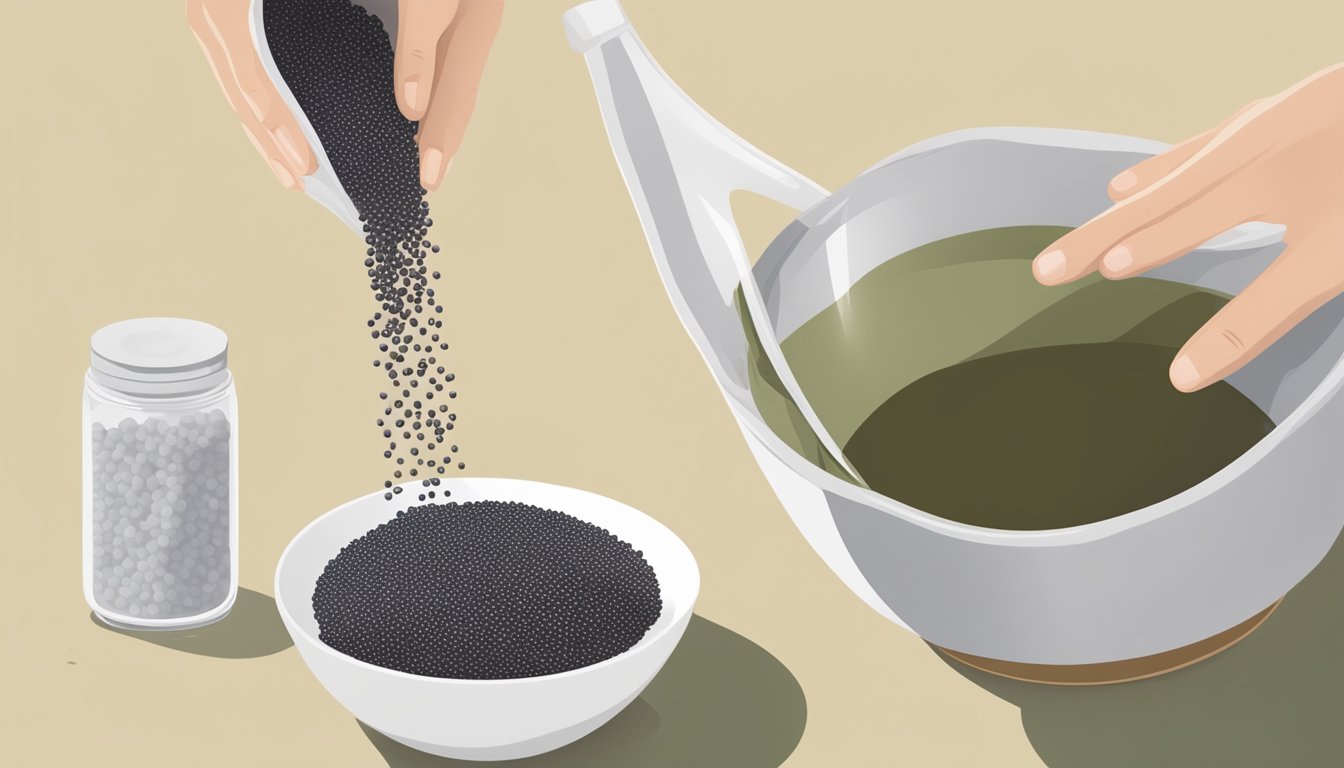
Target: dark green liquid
pixel 960 386
pixel 1051 437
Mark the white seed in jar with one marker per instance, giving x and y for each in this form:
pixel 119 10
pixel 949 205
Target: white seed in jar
pixel 160 507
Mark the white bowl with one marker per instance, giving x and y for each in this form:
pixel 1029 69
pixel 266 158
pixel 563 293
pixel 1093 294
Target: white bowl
pixel 486 719
pixel 1158 579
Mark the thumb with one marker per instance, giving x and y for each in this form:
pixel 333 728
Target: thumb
pixel 420 27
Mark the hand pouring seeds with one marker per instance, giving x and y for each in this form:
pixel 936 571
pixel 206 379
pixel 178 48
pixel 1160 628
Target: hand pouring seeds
pixel 332 62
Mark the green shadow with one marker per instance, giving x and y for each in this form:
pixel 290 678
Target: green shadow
pixel 721 700
pixel 253 628
pixel 1274 699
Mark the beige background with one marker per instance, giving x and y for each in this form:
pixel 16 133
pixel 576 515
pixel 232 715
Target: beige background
pixel 128 189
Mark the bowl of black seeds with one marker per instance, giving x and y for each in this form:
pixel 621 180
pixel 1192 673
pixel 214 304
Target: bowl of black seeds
pixel 487 618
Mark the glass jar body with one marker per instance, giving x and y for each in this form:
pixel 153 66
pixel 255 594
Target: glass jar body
pixel 160 506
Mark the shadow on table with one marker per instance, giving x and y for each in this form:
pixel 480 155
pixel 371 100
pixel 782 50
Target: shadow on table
pixel 253 628
pixel 720 700
pixel 1274 699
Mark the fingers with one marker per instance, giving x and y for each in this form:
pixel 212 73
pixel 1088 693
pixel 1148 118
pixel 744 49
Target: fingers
pixel 220 26
pixel 282 173
pixel 1077 253
pixel 420 30
pixel 1145 174
pixel 1178 233
pixel 1285 293
pixel 463 62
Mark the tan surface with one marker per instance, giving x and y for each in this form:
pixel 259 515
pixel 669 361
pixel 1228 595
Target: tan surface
pixel 129 189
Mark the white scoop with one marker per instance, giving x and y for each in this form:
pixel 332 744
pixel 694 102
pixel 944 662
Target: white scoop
pixel 322 184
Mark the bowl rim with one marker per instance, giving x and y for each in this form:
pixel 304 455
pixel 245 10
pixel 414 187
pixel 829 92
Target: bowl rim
pixel 1055 138
pixel 650 638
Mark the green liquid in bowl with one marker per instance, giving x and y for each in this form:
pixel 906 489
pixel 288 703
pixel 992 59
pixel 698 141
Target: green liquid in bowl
pixel 961 387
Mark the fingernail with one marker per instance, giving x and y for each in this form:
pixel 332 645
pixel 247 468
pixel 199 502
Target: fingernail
pixel 1184 374
pixel 1125 180
pixel 431 167
pixel 411 92
pixel 282 173
pixel 284 136
pixel 1117 259
pixel 1050 266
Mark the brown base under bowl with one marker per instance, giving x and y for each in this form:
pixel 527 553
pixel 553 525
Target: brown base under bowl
pixel 1111 672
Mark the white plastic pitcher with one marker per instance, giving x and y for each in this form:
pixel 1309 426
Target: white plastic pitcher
pixel 1138 585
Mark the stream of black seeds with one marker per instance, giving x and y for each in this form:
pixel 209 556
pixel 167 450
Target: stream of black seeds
pixel 338 63
pixel 485 590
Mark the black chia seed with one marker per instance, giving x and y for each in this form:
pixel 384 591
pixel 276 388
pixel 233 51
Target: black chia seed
pixel 338 62
pixel 485 590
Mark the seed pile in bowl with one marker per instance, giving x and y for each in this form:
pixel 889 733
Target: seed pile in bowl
pixel 338 61
pixel 485 590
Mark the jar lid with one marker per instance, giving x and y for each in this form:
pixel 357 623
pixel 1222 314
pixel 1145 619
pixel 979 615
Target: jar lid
pixel 159 356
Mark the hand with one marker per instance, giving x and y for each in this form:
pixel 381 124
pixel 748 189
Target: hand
pixel 441 51
pixel 1279 159
pixel 221 27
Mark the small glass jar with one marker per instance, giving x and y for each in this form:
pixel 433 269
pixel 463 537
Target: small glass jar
pixel 160 475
